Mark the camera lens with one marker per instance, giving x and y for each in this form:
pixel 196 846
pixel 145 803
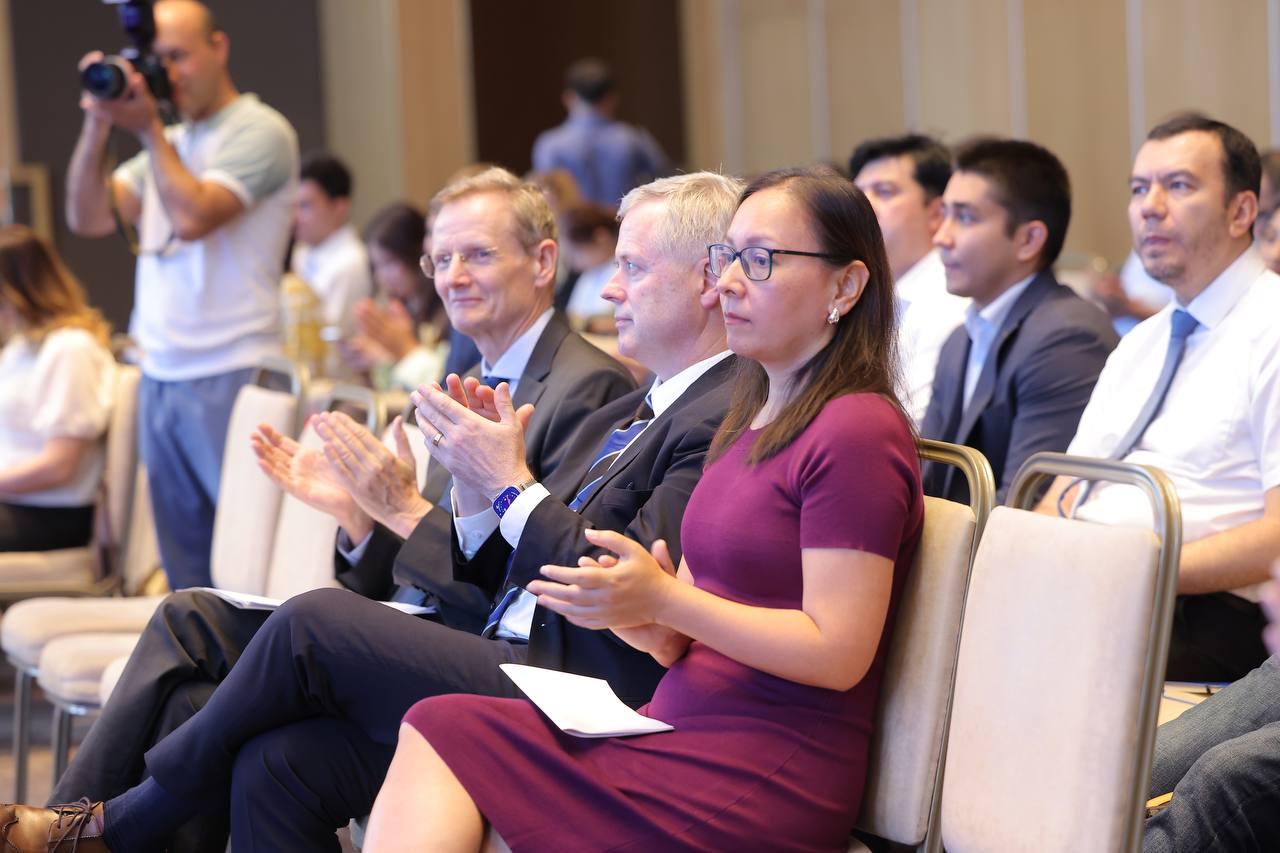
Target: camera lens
pixel 103 79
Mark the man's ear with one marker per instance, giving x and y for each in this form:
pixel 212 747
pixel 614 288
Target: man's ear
pixel 1029 239
pixel 933 214
pixel 1242 210
pixel 545 256
pixel 708 296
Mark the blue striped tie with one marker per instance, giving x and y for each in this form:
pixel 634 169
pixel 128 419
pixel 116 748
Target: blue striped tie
pixel 609 453
pixel 1181 325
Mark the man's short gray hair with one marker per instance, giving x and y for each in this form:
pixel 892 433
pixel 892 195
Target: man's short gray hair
pixel 534 221
pixel 699 208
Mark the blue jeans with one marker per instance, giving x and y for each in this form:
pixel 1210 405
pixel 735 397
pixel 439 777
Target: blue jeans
pixel 182 430
pixel 1221 759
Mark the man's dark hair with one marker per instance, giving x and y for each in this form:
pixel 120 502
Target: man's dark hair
pixel 329 173
pixel 1241 165
pixel 1028 181
pixel 590 79
pixel 931 158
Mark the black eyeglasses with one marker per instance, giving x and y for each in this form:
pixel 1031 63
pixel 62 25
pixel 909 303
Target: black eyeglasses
pixel 757 261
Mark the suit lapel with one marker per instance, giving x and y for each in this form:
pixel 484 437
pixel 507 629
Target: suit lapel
pixel 986 386
pixel 533 380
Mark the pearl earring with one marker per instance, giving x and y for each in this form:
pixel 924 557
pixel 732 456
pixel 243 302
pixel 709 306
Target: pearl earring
pixel 833 316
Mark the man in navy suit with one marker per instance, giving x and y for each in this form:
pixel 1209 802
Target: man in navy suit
pixel 303 727
pixel 1014 379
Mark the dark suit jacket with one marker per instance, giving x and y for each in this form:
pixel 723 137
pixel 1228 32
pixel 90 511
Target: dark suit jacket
pixel 566 380
pixel 643 496
pixel 1032 390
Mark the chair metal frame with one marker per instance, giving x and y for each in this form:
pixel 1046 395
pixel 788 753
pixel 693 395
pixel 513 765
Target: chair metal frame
pixel 375 417
pixel 976 470
pixel 1168 528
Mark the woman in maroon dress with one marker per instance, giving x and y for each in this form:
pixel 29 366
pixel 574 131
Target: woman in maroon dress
pixel 774 628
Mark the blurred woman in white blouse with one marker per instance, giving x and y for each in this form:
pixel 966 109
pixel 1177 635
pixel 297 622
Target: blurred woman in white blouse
pixel 56 388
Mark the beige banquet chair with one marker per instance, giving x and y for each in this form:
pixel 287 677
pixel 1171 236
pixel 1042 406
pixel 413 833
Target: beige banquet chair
pixel 1062 659
pixel 87 635
pixel 121 554
pixel 904 776
pixel 73 669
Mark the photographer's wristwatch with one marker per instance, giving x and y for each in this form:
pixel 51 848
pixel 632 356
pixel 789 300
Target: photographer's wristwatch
pixel 508 496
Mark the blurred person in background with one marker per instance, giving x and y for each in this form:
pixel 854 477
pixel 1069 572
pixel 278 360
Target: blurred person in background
pixel 328 254
pixel 56 383
pixel 402 338
pixel 1266 230
pixel 606 157
pixel 211 198
pixel 590 237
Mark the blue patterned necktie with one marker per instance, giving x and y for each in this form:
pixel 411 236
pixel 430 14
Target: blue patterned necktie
pixel 609 453
pixel 1181 325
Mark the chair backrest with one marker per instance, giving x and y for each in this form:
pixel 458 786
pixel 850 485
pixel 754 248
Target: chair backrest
pixel 140 556
pixel 1077 614
pixel 302 553
pixel 907 745
pixel 361 403
pixel 244 524
pixel 120 471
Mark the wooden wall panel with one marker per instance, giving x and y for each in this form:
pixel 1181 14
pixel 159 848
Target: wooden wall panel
pixel 864 58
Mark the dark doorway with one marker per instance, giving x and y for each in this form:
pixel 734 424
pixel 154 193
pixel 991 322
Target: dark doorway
pixel 520 51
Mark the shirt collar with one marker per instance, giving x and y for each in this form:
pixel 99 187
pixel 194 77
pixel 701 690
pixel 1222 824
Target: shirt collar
pixel 1216 301
pixel 992 316
pixel 922 278
pixel 340 238
pixel 511 364
pixel 662 394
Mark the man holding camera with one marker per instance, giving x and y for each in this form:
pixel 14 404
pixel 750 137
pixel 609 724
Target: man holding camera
pixel 210 198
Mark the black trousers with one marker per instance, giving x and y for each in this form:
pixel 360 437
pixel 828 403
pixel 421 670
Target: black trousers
pixel 44 528
pixel 1216 637
pixel 301 730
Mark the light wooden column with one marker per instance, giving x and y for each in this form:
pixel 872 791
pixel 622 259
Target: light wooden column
pixel 9 158
pixel 436 92
pixel 1078 107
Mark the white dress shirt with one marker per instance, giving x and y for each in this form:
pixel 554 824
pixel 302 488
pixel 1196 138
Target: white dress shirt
pixel 473 530
pixel 1217 435
pixel 982 325
pixel 337 270
pixel 927 315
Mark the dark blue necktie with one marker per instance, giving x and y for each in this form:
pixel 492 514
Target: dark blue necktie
pixel 609 453
pixel 492 381
pixel 1181 325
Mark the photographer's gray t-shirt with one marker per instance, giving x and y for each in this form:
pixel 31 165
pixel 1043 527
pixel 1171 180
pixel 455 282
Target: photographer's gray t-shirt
pixel 210 306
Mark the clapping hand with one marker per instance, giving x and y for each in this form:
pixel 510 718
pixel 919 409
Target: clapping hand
pixel 625 591
pixel 476 432
pixel 391 328
pixel 382 483
pixel 306 475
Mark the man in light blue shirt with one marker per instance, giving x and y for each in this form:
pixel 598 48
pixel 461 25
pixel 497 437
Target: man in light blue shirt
pixel 605 156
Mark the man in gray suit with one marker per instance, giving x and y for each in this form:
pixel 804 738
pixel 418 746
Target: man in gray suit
pixel 494 258
pixel 1014 379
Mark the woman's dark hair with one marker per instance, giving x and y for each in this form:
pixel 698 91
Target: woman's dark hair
pixel 862 355
pixel 400 229
pixel 582 221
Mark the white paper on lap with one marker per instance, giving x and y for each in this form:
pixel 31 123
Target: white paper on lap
pixel 579 705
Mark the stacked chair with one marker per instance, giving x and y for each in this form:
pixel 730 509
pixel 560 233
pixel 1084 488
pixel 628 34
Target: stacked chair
pixel 1036 734
pixel 121 555
pixel 1062 658
pixel 66 644
pixel 904 776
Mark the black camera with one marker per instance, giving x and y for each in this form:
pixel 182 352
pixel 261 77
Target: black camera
pixel 109 78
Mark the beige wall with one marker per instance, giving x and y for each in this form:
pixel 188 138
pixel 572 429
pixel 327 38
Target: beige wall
pixel 397 95
pixel 1058 72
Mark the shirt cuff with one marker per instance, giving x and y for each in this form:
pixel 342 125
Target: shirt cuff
pixel 473 530
pixel 517 515
pixel 352 553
